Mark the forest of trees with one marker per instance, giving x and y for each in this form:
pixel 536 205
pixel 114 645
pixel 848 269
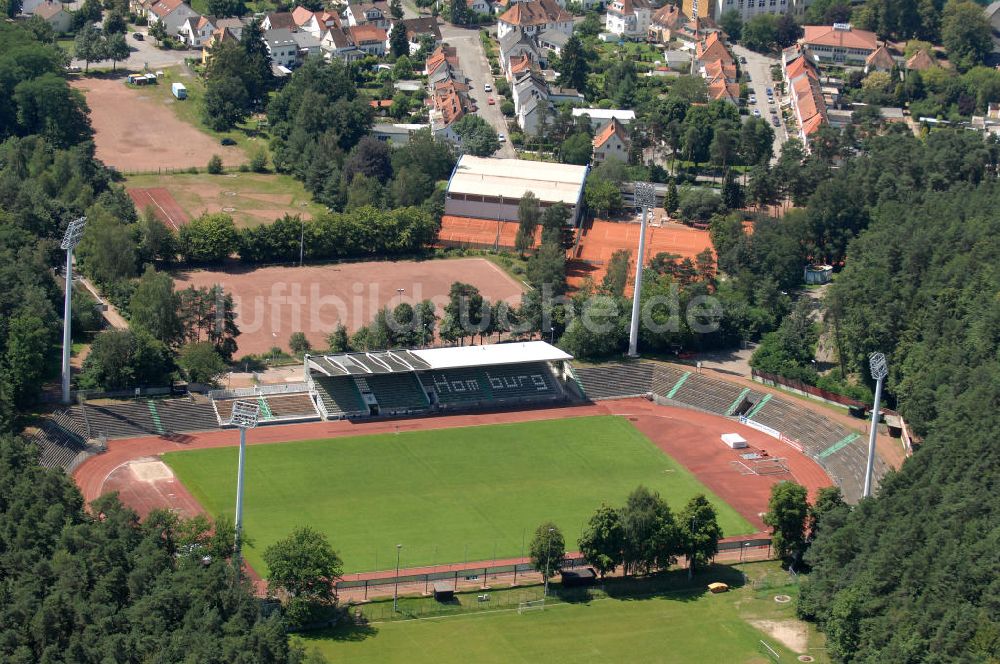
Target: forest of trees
pixel 921 285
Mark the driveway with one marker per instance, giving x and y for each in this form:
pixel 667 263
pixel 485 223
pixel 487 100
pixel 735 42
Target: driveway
pixel 759 68
pixel 473 63
pixel 145 55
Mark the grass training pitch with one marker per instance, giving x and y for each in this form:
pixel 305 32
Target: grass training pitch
pixel 681 626
pixel 447 495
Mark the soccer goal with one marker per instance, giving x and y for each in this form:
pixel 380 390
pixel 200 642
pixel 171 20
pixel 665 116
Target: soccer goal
pixel 533 605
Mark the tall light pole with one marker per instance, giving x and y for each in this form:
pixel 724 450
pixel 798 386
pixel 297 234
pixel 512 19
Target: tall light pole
pixel 879 370
pixel 244 416
pixel 548 561
pixel 74 231
pixel 395 587
pixel 645 198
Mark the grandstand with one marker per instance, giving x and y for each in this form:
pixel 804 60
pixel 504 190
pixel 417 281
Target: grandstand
pixel 274 408
pixel 841 452
pixel 400 382
pixel 126 419
pixel 60 447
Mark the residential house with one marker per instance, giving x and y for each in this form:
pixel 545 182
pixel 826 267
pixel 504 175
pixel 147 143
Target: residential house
pixel 28 6
pixel 336 43
pixel 315 23
pixel 879 60
pixel 218 36
pixel 802 81
pixel 308 45
pixel 611 142
pixel 449 93
pixel 600 118
pixel 921 61
pixel 279 21
pixel 281 47
pixel 368 13
pixel 558 95
pixel 368 38
pixel 839 43
pixel 517 44
pixel 664 22
pixel 629 19
pixel 479 7
pixel 530 94
pixel 535 16
pixel 552 41
pixel 196 30
pixel 395 134
pixel 750 8
pixel 415 29
pixel 717 66
pixel 518 65
pixel 172 13
pixel 993 16
pixel 54 14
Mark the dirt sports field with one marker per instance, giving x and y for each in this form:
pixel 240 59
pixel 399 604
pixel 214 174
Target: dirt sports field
pixel 135 130
pixel 273 302
pixel 131 466
pixel 250 199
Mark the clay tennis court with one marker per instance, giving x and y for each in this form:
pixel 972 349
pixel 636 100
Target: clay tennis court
pixel 162 203
pixel 273 302
pixel 136 130
pixel 478 233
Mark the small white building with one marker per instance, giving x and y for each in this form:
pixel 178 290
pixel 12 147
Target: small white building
pixel 629 19
pixel 172 13
pixel 395 134
pixel 282 47
pixel 54 14
pixel 535 16
pixel 600 117
pixel 611 143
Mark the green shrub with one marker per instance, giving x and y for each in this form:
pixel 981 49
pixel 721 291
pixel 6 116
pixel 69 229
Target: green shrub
pixel 215 164
pixel 258 162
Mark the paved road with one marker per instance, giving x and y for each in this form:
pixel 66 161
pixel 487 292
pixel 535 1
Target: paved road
pixel 473 63
pixel 759 68
pixel 145 54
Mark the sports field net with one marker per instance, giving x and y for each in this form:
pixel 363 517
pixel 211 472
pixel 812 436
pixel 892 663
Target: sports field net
pixel 533 605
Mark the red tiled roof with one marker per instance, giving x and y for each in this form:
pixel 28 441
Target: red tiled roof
pixel 921 60
pixel 669 16
pixel 881 58
pixel 827 35
pixel 380 103
pixel 367 33
pixel 535 12
pixel 613 128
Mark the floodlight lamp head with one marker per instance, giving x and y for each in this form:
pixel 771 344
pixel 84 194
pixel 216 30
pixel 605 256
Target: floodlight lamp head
pixel 645 195
pixel 879 369
pixel 245 414
pixel 74 231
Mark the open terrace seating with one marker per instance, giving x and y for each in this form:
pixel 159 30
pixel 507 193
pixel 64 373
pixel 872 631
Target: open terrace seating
pixel 59 448
pixel 712 395
pixel 291 406
pixel 616 380
pixel 129 419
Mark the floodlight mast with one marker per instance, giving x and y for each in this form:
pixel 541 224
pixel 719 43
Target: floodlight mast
pixel 879 370
pixel 645 198
pixel 74 231
pixel 244 416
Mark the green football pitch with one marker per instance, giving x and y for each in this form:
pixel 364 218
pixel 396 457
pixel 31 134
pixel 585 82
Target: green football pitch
pixel 446 495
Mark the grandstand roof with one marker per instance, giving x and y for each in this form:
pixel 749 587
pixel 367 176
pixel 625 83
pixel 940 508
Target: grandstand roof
pixel 491 354
pixel 403 361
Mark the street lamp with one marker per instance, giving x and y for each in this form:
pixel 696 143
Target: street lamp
pixel 645 198
pixel 395 589
pixel 879 370
pixel 244 416
pixel 552 335
pixel 548 561
pixel 74 231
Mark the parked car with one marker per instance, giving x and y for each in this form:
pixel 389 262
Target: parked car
pixel 501 138
pixel 228 141
pixel 743 60
pixel 775 121
pixel 770 92
pixel 753 99
pixel 491 101
pixel 488 88
pixel 756 112
pixel 137 36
